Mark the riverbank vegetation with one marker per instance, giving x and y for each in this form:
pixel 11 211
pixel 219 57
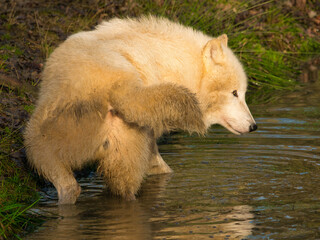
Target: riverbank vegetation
pixel 272 39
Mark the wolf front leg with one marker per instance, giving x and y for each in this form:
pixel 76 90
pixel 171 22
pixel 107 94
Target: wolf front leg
pixel 161 107
pixel 124 157
pixel 67 187
pixel 157 165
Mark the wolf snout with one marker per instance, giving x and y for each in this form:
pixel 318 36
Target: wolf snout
pixel 253 127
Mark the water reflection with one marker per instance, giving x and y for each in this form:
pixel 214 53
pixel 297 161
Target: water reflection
pixel 98 215
pixel 152 216
pixel 263 185
pixel 233 223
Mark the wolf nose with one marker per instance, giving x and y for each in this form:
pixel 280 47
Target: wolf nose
pixel 253 127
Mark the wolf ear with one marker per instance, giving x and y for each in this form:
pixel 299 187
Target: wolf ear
pixel 213 51
pixel 224 39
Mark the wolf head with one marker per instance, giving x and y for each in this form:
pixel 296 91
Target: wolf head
pixel 223 88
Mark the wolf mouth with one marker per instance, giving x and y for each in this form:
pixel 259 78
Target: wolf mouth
pixel 231 129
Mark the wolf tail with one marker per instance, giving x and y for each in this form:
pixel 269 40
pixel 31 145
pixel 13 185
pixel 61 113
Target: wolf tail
pixel 163 107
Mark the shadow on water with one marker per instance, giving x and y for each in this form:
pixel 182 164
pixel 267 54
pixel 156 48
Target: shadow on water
pixel 264 185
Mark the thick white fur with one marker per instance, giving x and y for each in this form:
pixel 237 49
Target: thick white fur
pixel 108 94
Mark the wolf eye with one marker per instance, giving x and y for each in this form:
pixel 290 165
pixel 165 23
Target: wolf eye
pixel 235 93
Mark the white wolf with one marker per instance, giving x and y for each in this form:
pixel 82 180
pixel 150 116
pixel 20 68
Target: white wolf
pixel 107 94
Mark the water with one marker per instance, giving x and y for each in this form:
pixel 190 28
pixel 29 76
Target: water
pixel 264 185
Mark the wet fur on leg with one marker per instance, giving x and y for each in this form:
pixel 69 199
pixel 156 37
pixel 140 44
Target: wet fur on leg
pixel 157 165
pixel 124 159
pixel 62 140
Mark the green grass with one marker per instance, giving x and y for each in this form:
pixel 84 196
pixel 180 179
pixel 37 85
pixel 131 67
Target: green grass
pixel 6 52
pixel 29 108
pixel 17 217
pixel 17 189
